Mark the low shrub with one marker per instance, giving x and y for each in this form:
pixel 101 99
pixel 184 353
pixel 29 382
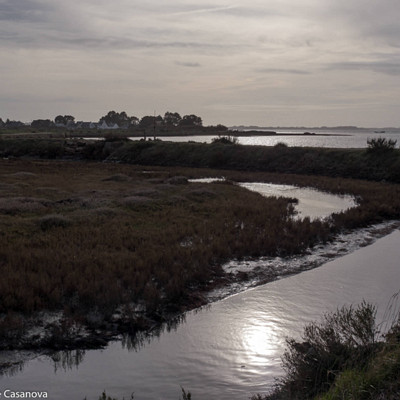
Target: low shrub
pixel 226 140
pixel 345 339
pixel 381 145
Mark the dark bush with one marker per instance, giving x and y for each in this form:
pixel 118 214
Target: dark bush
pixel 381 145
pixel 344 339
pixel 225 139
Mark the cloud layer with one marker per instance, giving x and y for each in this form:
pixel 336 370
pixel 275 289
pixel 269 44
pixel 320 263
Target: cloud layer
pixel 328 62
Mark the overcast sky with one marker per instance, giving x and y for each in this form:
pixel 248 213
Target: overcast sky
pixel 258 62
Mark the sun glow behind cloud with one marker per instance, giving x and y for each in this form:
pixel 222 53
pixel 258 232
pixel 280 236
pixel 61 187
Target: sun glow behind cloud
pixel 284 62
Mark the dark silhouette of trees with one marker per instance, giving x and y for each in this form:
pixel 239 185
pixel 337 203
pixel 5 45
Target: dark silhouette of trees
pixel 13 124
pixel 42 123
pixel 172 119
pixel 149 121
pixel 191 121
pixel 64 120
pixel 121 119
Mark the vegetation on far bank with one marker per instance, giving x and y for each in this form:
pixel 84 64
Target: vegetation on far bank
pixel 346 163
pixel 379 161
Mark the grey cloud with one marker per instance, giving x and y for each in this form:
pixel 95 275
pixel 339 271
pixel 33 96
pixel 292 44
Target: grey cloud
pixel 188 64
pixel 25 11
pixel 283 71
pixel 383 67
pixel 40 24
pixel 371 19
pixel 205 10
pixel 113 42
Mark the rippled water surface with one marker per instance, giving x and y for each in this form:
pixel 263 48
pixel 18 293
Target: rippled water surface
pixel 339 138
pixel 312 203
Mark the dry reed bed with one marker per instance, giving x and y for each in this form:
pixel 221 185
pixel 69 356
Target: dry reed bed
pixel 85 237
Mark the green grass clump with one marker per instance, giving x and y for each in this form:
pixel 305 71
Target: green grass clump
pixel 379 379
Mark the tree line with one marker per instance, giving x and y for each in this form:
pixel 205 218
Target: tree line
pixel 121 120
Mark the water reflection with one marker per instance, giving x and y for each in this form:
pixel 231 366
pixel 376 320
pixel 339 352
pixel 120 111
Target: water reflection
pixel 12 369
pixel 138 340
pixel 258 343
pixel 64 360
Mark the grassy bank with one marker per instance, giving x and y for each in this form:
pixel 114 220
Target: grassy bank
pixel 347 163
pixel 378 164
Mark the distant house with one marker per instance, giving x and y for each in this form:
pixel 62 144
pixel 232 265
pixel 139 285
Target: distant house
pixel 104 125
pixel 69 125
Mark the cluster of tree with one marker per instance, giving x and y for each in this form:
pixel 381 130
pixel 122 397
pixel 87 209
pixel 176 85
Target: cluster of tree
pixel 10 124
pixel 42 123
pixel 113 119
pixel 170 120
pixel 64 120
pixel 121 119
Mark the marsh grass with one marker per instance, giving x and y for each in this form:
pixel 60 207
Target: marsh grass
pixel 150 238
pixel 345 163
pixel 53 221
pixel 380 161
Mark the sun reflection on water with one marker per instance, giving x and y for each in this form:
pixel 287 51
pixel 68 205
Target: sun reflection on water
pixel 260 342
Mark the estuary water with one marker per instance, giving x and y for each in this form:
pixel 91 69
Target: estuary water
pixel 312 203
pixel 333 138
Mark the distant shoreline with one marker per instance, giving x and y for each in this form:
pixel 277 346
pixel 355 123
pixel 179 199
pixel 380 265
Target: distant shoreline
pixel 126 134
pixel 273 133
